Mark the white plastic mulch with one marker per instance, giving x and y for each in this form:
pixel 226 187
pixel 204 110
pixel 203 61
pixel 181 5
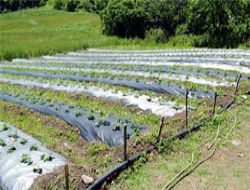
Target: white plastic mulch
pixel 15 175
pixel 144 102
pixel 181 77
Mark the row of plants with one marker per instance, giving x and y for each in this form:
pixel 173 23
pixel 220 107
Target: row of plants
pixel 93 126
pixel 205 51
pixel 28 154
pixel 150 57
pixel 236 65
pixel 137 83
pixel 44 73
pixel 152 104
pixel 159 69
pixel 180 75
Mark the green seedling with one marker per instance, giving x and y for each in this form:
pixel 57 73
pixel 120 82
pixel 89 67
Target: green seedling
pixel 23 141
pixel 78 113
pixel 91 117
pixel 2 143
pixel 46 158
pixel 33 147
pixel 26 159
pixel 11 149
pixel 4 128
pixel 14 135
pixel 38 170
pixel 117 128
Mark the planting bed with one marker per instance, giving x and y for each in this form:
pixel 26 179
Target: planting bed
pixel 198 58
pixel 137 84
pixel 143 102
pixel 93 126
pixel 98 92
pixel 23 158
pixel 182 75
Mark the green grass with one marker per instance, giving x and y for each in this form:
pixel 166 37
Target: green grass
pixel 158 171
pixel 40 31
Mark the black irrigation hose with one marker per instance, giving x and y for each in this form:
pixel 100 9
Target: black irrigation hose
pixel 114 172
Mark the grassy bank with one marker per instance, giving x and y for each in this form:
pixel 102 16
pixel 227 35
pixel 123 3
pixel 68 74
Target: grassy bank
pixel 161 168
pixel 40 31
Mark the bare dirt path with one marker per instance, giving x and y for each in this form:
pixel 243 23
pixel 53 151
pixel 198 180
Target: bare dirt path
pixel 229 168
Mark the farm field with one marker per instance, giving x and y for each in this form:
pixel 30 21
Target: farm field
pixel 77 104
pixel 116 113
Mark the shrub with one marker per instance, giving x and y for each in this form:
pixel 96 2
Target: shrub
pixel 132 18
pixel 58 4
pixel 156 35
pixel 219 23
pixel 96 6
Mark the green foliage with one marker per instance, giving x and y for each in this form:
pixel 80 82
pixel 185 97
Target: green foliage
pixel 2 143
pixel 95 6
pixel 219 23
pixel 26 159
pixel 13 5
pixel 132 18
pixel 58 4
pixel 73 5
pixel 156 35
pixel 23 141
pixel 33 147
pixel 11 149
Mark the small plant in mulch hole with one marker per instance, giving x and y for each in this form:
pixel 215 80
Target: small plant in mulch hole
pixel 91 117
pixel 4 128
pixel 46 158
pixel 2 143
pixel 149 99
pixel 14 135
pixel 11 149
pixel 38 170
pixel 117 128
pixel 99 123
pixel 23 141
pixel 26 159
pixel 33 147
pixel 66 111
pixel 78 113
pixel 51 105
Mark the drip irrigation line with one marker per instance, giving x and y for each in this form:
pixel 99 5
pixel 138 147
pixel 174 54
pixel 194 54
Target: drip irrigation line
pixel 179 177
pixel 115 171
pixel 168 186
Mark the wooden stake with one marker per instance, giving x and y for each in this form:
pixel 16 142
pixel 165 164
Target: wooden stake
pixel 237 84
pixel 66 168
pixel 215 100
pixel 125 143
pixel 161 126
pixel 187 108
